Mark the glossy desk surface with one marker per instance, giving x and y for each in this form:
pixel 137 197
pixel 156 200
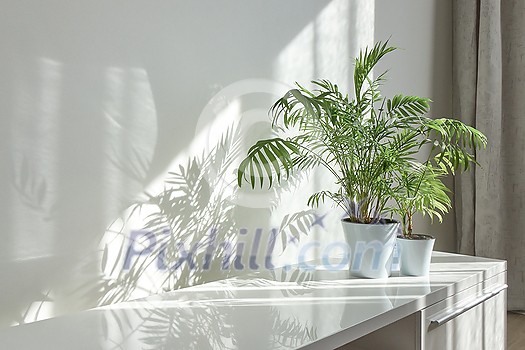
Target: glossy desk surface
pixel 258 311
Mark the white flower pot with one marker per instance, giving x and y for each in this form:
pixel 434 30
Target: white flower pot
pixel 371 248
pixel 415 255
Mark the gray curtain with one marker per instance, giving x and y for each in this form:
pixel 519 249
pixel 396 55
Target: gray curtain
pixel 489 93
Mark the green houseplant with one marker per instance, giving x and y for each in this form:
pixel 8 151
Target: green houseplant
pixel 368 143
pixel 420 188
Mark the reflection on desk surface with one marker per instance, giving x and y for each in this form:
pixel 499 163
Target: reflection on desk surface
pixel 262 310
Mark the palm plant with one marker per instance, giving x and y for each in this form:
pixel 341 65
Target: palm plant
pixel 420 187
pixel 369 144
pixel 420 190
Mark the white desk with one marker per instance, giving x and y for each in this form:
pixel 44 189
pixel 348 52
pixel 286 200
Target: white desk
pixel 324 312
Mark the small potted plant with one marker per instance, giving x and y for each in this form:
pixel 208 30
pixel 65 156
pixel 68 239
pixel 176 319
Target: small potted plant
pixel 420 188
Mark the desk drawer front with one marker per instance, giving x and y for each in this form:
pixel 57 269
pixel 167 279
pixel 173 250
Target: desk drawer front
pixel 472 319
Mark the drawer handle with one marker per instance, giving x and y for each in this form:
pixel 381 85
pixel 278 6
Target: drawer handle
pixel 447 316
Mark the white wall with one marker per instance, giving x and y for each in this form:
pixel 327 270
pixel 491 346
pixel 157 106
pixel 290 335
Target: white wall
pixel 99 100
pixel 423 67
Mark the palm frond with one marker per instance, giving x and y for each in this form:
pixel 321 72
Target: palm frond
pixel 267 159
pixel 366 62
pixel 408 105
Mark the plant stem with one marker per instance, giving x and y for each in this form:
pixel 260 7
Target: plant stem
pixel 409 229
pixel 409 213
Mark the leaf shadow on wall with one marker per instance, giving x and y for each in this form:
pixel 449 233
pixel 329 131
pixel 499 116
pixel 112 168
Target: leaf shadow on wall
pixel 188 235
pixel 61 97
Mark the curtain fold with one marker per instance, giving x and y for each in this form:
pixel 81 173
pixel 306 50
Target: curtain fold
pixel 489 93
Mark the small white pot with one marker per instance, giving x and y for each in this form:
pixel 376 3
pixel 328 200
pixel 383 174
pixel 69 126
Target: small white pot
pixel 371 247
pixel 415 255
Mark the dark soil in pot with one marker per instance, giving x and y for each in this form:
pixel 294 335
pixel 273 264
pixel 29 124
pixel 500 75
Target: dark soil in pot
pixel 378 222
pixel 416 236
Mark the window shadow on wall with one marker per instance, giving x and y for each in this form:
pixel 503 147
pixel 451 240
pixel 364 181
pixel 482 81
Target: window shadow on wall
pixel 97 100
